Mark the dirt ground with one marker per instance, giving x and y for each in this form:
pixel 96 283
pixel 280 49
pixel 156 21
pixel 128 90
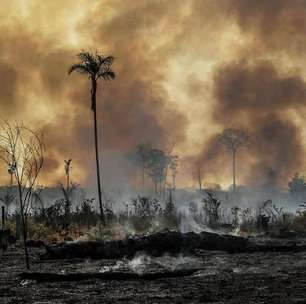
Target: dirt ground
pixel 223 278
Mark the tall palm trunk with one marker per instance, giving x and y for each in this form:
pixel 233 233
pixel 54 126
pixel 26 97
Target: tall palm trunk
pixel 200 179
pixel 68 181
pixel 94 109
pixel 173 181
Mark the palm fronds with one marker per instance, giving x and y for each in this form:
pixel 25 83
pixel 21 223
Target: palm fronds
pixel 79 68
pixel 96 66
pixel 106 75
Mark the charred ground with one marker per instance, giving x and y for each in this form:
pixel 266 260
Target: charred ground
pixel 224 278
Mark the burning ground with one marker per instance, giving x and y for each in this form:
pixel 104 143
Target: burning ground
pixel 164 267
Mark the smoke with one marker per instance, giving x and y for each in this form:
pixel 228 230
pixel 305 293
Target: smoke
pixel 142 264
pixel 277 25
pixel 262 90
pixel 132 109
pixel 259 99
pixel 185 71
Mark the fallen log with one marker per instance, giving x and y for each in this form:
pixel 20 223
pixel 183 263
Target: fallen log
pixel 158 244
pixel 170 242
pixel 59 277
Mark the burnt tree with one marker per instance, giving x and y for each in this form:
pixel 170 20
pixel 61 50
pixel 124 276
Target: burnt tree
pixel 23 150
pixel 233 139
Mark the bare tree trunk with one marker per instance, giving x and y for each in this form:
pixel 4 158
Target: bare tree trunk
pixel 155 187
pixel 24 229
pixel 174 182
pixel 3 217
pixel 94 109
pixel 165 183
pixel 200 179
pixel 234 169
pixel 143 174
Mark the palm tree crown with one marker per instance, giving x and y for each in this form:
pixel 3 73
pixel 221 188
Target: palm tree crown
pixel 97 66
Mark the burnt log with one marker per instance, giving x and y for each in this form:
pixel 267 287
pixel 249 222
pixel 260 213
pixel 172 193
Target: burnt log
pixel 158 244
pixel 112 275
pixel 170 242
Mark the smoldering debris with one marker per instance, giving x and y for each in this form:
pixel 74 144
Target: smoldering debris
pixel 172 243
pixel 142 263
pixel 157 244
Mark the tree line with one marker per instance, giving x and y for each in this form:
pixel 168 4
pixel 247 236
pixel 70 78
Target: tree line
pixel 155 166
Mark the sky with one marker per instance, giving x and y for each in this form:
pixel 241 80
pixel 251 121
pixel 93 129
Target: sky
pixel 185 71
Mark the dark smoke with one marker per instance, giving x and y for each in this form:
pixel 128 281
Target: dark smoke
pixel 132 109
pixel 244 59
pixel 278 25
pixel 257 98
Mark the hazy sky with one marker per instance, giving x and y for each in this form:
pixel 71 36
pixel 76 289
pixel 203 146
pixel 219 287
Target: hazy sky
pixel 185 71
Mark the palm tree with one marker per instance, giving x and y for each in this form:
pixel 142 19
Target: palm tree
pixel 95 67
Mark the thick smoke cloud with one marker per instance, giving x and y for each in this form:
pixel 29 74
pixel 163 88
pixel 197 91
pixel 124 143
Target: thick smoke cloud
pixel 259 99
pixel 132 109
pixel 261 89
pixel 8 87
pixel 275 24
pixel 185 71
pixel 257 89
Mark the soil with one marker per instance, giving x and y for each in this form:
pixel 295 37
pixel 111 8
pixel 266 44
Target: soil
pixel 261 277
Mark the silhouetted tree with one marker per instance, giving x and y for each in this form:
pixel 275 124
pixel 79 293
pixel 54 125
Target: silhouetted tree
pixel 67 171
pixel 170 207
pixel 233 139
pixel 95 67
pixel 297 184
pixel 199 175
pixel 38 201
pixel 10 171
pixel 156 166
pixel 8 198
pixel 211 206
pixel 67 203
pixel 143 152
pixel 23 150
pixel 173 159
pixel 200 179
